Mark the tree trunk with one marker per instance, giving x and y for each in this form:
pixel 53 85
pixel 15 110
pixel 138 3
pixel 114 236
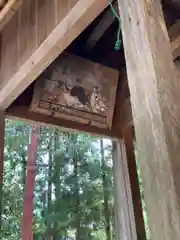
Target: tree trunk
pixel 77 197
pixel 24 166
pixel 57 184
pixel 105 185
pixel 49 192
pixel 2 126
pixel 27 221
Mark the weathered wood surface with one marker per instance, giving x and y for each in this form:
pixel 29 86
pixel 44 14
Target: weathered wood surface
pixel 124 214
pixel 22 112
pixel 123 123
pixel 154 89
pixel 35 36
pixel 74 88
pixel 128 137
pixel 174 34
pixel 126 117
pixel 8 8
pixel 27 218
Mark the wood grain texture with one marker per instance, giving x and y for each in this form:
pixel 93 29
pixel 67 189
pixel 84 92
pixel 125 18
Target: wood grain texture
pixel 174 34
pixel 154 89
pixel 22 112
pixel 137 210
pixel 28 216
pixel 73 88
pixel 124 214
pixel 125 111
pixel 26 31
pixel 9 51
pixel 50 41
pixel 9 8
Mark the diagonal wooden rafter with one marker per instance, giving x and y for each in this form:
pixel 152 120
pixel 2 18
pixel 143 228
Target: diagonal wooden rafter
pixel 174 34
pixel 25 54
pixel 101 28
pixel 8 10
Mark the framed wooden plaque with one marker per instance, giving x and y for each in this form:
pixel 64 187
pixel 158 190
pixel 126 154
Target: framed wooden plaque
pixel 77 89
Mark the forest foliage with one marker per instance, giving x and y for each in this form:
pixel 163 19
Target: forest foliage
pixel 73 195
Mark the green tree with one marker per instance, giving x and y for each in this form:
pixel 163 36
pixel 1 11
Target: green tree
pixel 73 191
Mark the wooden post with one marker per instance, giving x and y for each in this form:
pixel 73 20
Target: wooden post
pixel 154 89
pixel 134 182
pixel 124 214
pixel 2 126
pixel 27 222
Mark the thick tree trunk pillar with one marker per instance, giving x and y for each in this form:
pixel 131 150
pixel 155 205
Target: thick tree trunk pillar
pixel 2 126
pixel 27 221
pixel 155 97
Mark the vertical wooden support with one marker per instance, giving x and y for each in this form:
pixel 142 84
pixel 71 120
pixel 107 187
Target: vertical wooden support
pixel 154 89
pixel 134 182
pixel 27 231
pixel 2 126
pixel 124 214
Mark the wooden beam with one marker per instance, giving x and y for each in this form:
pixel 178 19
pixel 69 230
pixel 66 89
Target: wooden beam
pixel 174 34
pixel 23 58
pixel 126 117
pixel 124 214
pixel 176 3
pixel 127 135
pixel 134 183
pixel 154 89
pixel 27 219
pixel 22 112
pixel 105 22
pixel 9 8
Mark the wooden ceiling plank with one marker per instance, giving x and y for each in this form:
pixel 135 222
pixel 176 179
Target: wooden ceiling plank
pixel 75 21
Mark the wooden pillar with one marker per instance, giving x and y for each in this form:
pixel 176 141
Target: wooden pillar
pixel 134 183
pixel 27 221
pixel 155 97
pixel 124 214
pixel 2 126
pixel 129 212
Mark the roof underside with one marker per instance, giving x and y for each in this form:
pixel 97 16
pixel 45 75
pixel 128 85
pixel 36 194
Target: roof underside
pixel 97 41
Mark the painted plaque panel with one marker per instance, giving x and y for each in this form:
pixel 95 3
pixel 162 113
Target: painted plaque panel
pixel 77 89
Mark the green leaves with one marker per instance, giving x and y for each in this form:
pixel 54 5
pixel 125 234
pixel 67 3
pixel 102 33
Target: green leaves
pixel 69 191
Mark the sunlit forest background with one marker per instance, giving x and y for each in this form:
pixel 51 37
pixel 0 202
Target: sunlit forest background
pixel 73 195
pixel 74 189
